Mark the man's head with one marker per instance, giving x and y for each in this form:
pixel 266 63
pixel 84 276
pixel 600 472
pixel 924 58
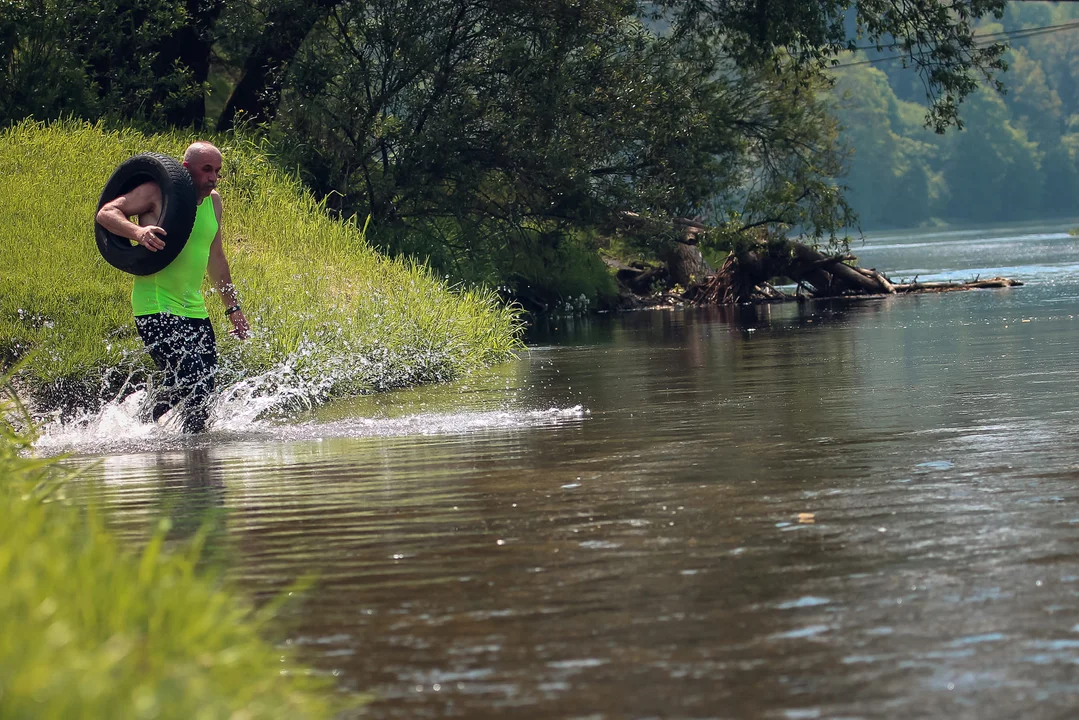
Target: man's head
pixel 203 161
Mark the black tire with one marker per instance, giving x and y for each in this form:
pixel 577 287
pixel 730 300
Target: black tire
pixel 178 207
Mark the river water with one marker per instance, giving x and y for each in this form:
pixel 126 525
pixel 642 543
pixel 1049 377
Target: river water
pixel 866 509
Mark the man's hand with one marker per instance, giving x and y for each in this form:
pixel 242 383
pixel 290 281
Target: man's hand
pixel 147 236
pixel 240 329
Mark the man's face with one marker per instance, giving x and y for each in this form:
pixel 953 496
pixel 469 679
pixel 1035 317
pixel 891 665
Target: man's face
pixel 205 169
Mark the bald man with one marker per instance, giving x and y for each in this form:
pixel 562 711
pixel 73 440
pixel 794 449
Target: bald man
pixel 170 310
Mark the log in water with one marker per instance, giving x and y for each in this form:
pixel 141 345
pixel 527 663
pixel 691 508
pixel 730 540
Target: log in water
pixel 807 510
pixel 744 277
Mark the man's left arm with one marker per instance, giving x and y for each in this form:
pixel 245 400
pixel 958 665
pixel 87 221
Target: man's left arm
pixel 218 268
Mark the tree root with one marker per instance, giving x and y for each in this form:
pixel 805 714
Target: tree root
pixel 744 278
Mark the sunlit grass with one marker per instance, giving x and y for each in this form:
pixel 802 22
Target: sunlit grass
pixel 88 630
pixel 321 302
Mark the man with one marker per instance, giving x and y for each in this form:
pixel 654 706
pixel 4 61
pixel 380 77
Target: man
pixel 170 311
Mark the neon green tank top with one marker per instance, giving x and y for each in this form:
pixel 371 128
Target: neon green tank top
pixel 178 288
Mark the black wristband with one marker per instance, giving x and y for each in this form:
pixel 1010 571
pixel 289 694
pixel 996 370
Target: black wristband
pixel 233 309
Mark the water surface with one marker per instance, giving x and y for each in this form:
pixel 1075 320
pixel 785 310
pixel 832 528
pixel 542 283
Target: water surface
pixel 862 509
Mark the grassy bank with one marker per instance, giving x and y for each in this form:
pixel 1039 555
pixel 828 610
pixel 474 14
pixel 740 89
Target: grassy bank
pixel 327 310
pixel 90 631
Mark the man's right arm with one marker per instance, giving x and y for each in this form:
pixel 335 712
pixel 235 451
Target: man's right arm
pixel 144 202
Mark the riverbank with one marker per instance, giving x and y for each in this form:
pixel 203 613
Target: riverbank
pixel 330 316
pixel 89 630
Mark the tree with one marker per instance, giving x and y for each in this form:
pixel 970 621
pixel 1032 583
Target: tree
pixel 187 51
pixel 285 26
pixel 935 37
pixel 492 125
pixel 1036 107
pixel 993 169
pixel 40 75
pixel 864 100
pixel 128 59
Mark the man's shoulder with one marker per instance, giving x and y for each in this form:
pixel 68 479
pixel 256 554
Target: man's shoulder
pixel 215 198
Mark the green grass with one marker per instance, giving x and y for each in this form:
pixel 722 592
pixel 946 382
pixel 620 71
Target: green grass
pixel 326 308
pixel 88 630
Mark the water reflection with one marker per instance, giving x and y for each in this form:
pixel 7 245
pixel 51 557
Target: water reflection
pixel 194 501
pixel 184 489
pixel 858 509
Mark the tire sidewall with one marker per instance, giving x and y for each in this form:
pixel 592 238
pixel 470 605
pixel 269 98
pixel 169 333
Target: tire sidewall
pixel 178 207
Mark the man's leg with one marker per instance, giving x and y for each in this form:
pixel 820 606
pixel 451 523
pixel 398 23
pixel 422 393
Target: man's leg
pixel 196 371
pixel 184 349
pixel 159 335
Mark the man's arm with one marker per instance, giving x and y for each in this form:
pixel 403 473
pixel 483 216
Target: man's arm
pixel 144 202
pixel 221 276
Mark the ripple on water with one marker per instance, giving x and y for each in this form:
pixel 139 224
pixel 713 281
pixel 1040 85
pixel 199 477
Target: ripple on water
pixel 534 559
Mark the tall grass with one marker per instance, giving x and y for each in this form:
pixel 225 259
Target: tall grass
pixel 324 306
pixel 90 631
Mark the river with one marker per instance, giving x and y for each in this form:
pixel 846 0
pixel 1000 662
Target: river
pixel 865 509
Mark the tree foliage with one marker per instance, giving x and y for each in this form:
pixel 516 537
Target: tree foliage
pixel 935 37
pixel 131 60
pixel 484 134
pixel 537 116
pixel 1016 159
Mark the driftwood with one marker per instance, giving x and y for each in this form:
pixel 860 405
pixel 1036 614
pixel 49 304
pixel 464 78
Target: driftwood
pixel 997 282
pixel 842 275
pixel 879 277
pixel 745 277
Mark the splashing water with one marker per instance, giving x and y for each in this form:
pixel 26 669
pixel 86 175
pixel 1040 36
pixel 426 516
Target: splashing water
pixel 264 407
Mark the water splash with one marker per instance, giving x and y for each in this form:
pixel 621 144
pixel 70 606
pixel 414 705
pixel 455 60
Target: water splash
pixel 265 408
pixel 117 430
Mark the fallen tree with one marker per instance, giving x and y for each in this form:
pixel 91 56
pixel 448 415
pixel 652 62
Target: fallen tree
pixel 746 277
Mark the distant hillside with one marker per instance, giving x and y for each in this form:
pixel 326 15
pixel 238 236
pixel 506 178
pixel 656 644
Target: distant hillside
pixel 1016 158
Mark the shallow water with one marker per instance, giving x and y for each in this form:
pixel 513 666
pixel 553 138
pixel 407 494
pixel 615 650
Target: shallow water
pixel 862 509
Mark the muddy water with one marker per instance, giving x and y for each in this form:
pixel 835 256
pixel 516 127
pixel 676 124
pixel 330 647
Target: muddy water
pixel 866 509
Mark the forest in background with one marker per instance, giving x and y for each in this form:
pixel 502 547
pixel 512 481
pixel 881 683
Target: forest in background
pixel 1017 157
pixel 517 144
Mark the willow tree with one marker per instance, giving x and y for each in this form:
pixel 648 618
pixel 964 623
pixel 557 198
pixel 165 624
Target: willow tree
pixel 506 130
pixel 936 38
pixel 490 129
